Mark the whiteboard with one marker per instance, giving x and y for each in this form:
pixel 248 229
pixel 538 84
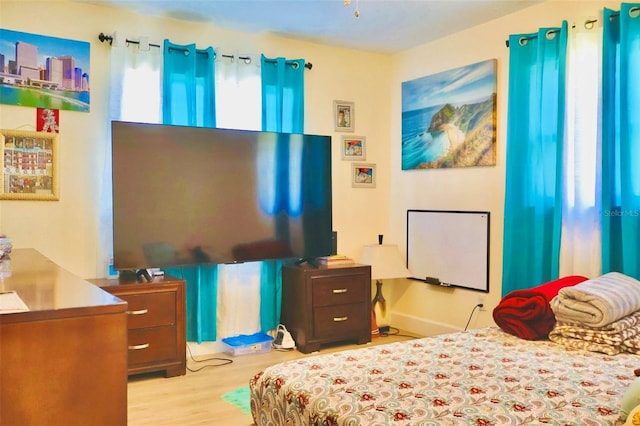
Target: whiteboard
pixel 449 248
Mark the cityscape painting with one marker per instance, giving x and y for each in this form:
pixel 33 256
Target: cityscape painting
pixel 44 72
pixel 449 118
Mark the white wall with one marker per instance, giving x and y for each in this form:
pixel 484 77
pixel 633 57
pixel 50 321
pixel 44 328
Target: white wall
pixel 428 308
pixel 66 230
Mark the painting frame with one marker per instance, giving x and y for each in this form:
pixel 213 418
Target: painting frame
pixel 363 175
pixel 343 116
pixel 41 179
pixel 353 148
pixel 449 119
pixel 56 73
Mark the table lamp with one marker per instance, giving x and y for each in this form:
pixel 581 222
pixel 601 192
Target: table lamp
pixel 386 263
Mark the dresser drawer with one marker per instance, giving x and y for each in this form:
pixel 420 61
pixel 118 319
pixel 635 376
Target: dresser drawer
pixel 151 309
pixel 152 345
pixel 340 320
pixel 338 290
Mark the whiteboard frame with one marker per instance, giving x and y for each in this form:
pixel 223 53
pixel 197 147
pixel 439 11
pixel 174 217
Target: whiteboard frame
pixel 458 221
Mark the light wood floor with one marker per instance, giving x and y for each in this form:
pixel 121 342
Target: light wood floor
pixel 196 398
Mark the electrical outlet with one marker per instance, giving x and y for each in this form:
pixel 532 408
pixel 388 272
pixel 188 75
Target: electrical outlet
pixel 483 302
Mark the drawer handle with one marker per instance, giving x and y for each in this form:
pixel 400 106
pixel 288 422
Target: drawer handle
pixel 138 312
pixel 138 347
pixel 340 319
pixel 340 290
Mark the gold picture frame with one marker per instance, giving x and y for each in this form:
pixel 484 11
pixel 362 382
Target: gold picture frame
pixel 29 165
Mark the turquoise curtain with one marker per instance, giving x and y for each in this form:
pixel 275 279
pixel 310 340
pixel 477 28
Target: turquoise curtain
pixel 188 85
pixel 621 140
pixel 188 79
pixel 202 300
pixel 535 130
pixel 282 94
pixel 282 111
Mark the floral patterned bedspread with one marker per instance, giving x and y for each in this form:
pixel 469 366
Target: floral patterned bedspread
pixel 478 377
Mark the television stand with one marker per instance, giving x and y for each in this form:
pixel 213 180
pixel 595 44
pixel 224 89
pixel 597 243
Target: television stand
pixel 143 273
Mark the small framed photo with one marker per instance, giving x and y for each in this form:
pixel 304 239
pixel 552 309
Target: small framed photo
pixel 354 148
pixel 344 116
pixel 363 175
pixel 30 165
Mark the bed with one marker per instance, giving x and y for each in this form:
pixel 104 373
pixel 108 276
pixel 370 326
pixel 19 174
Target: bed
pixel 477 377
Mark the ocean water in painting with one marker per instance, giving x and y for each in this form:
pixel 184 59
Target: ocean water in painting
pixel 418 145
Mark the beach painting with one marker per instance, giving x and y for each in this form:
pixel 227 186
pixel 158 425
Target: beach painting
pixel 44 72
pixel 449 118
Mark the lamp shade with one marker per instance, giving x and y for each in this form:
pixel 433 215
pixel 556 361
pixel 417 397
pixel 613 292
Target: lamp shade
pixel 385 260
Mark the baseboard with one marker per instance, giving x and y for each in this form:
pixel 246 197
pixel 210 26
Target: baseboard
pixel 420 326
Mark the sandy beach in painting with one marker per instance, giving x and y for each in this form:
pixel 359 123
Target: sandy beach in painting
pixel 454 134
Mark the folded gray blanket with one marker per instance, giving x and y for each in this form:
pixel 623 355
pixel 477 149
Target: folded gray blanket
pixel 610 339
pixel 599 301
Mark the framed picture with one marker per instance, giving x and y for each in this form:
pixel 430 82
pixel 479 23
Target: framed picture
pixel 435 133
pixel 29 168
pixel 47 72
pixel 353 148
pixel 344 116
pixel 363 175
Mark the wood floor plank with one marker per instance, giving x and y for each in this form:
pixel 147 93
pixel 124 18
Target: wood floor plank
pixel 196 398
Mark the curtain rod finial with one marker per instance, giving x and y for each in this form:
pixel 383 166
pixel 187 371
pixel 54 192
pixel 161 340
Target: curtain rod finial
pixel 102 37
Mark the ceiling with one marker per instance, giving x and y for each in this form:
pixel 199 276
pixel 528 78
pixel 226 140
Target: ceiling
pixel 383 26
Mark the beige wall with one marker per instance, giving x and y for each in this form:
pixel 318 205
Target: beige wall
pixel 66 231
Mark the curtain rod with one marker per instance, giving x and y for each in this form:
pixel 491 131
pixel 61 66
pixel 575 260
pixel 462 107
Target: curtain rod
pixel 103 37
pixel 587 24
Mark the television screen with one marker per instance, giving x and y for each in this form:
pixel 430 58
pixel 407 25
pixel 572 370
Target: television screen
pixel 191 195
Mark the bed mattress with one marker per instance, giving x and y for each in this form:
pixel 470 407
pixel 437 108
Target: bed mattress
pixel 477 377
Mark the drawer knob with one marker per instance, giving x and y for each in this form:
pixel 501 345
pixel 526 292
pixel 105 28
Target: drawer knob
pixel 138 347
pixel 138 312
pixel 339 290
pixel 340 319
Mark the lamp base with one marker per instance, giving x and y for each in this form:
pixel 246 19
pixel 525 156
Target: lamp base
pixel 375 331
pixel 384 329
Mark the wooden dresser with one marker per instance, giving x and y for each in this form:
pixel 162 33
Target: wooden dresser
pixel 326 304
pixel 157 339
pixel 64 361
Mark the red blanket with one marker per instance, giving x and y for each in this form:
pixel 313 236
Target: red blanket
pixel 526 313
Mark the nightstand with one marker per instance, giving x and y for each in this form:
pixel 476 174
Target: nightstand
pixel 326 304
pixel 156 323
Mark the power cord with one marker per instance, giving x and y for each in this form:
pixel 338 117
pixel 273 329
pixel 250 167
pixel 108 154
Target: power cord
pixel 479 305
pixel 395 332
pixel 224 361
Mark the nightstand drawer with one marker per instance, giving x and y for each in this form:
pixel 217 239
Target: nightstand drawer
pixel 152 345
pixel 336 321
pixel 151 309
pixel 338 290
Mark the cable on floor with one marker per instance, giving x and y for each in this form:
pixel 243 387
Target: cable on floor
pixel 223 361
pixel 396 332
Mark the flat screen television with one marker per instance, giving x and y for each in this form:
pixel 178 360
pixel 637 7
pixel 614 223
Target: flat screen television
pixel 193 195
